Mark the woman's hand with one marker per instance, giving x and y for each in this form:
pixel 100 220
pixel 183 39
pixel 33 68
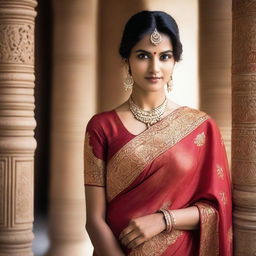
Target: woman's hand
pixel 142 229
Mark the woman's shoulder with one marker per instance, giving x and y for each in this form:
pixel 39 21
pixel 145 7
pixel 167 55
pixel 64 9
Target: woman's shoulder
pixel 197 114
pixel 204 118
pixel 100 120
pixel 101 116
pixel 193 112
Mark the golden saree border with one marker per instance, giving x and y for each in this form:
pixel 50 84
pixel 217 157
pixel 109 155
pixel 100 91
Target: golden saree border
pixel 209 241
pixel 94 168
pixel 157 244
pixel 128 163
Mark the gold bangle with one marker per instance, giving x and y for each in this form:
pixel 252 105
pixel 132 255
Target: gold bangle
pixel 173 219
pixel 167 218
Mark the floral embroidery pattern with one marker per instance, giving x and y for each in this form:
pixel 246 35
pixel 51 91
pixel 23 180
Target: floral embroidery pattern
pixel 157 244
pixel 209 244
pixel 127 164
pixel 200 139
pixel 223 197
pixel 94 167
pixel 220 172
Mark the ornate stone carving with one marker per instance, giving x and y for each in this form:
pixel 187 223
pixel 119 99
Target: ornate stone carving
pixel 244 143
pixel 245 172
pixel 245 108
pixel 245 82
pixel 244 126
pixel 244 43
pixel 244 7
pixel 17 144
pixel 244 242
pixel 18 43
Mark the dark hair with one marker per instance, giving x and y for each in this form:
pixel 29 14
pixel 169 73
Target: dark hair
pixel 145 22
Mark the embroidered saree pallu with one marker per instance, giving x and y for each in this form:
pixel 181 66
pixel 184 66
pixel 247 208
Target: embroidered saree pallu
pixel 176 163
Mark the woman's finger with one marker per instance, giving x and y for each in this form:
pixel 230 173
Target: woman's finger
pixel 136 242
pixel 129 237
pixel 132 226
pixel 126 231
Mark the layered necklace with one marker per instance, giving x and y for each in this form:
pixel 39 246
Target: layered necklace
pixel 148 117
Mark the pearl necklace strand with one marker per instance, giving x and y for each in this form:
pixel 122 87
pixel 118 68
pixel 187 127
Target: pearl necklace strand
pixel 148 117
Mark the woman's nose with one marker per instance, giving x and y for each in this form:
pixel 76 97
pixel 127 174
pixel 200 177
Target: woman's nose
pixel 154 65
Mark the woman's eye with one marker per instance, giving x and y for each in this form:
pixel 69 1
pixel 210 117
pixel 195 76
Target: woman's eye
pixel 165 57
pixel 142 56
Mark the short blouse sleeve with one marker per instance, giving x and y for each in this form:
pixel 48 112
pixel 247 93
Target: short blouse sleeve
pixel 94 154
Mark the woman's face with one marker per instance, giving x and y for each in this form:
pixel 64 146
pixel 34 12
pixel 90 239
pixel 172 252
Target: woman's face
pixel 151 65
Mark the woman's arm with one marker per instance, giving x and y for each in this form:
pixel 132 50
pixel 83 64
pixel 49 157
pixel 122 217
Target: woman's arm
pixel 186 218
pixel 102 238
pixel 142 229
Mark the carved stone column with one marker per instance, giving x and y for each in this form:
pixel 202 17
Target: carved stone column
pixel 17 123
pixel 110 79
pixel 215 29
pixel 244 126
pixel 73 103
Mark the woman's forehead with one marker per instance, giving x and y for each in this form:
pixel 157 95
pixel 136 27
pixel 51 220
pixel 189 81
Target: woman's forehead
pixel 146 44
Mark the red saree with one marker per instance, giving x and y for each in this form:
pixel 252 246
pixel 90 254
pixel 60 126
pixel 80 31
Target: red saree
pixel 178 162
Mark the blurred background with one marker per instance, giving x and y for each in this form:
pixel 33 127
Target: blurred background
pixel 78 73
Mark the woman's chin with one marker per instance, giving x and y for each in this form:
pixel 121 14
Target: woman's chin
pixel 151 87
pixel 154 88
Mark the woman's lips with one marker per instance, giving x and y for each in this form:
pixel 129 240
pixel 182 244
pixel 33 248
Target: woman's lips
pixel 153 79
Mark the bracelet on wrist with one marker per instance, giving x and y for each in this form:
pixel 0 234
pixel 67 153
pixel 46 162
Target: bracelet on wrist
pixel 173 219
pixel 169 219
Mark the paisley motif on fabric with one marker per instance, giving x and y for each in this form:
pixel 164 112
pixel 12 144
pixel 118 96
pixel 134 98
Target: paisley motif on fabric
pixel 200 139
pixel 223 197
pixel 220 172
pixel 94 168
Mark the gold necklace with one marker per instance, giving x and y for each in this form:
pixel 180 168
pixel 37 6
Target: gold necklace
pixel 148 117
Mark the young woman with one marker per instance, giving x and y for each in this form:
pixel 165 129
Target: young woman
pixel 156 174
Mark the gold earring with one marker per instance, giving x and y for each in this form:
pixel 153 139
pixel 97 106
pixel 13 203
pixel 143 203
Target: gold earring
pixel 128 82
pixel 169 85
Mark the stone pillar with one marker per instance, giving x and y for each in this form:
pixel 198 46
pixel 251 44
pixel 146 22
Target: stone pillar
pixel 215 63
pixel 244 126
pixel 110 75
pixel 17 123
pixel 73 103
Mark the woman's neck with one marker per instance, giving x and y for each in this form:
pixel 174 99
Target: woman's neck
pixel 148 100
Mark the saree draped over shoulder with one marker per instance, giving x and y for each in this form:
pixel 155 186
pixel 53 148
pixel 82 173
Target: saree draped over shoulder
pixel 176 163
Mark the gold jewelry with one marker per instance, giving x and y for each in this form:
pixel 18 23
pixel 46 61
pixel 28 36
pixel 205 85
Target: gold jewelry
pixel 155 37
pixel 169 85
pixel 167 219
pixel 128 82
pixel 173 219
pixel 148 117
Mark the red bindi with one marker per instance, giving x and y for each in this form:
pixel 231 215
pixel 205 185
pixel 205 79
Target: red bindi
pixel 155 53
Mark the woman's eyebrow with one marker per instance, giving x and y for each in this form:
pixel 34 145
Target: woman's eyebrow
pixel 140 50
pixel 143 51
pixel 166 51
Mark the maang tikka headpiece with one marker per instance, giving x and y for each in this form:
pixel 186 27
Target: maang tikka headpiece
pixel 155 37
